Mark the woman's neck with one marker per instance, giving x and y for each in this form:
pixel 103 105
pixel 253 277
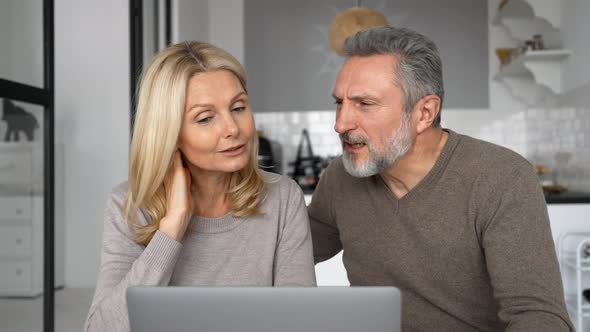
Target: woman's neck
pixel 209 193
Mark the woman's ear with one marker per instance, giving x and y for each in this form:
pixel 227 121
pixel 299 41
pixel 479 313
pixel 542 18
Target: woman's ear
pixel 428 109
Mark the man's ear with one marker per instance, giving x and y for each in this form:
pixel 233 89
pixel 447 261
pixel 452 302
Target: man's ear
pixel 427 110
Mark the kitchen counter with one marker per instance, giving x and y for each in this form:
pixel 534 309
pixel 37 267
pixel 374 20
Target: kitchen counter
pixel 568 197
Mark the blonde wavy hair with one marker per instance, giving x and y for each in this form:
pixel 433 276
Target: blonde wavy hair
pixel 160 112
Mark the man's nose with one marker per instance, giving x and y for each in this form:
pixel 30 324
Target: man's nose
pixel 345 118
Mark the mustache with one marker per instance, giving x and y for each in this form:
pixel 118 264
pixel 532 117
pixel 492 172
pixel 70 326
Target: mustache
pixel 351 138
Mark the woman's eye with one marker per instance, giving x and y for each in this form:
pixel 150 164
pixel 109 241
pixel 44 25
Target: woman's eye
pixel 239 109
pixel 204 120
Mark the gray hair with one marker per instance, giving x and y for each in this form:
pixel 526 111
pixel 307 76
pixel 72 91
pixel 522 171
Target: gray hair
pixel 419 68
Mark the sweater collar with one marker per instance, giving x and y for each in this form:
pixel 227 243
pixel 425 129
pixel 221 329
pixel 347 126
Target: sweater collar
pixel 434 173
pixel 215 225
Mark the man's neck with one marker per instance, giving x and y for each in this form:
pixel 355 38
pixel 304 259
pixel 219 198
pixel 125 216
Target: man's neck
pixel 409 170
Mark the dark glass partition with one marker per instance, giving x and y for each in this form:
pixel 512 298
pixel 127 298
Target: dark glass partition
pixel 27 243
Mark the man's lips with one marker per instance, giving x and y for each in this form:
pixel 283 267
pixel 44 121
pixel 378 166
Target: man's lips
pixel 351 146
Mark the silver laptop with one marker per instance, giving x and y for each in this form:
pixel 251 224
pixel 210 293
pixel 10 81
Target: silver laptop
pixel 264 309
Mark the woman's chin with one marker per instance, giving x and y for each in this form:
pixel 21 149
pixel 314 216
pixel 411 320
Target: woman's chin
pixel 234 165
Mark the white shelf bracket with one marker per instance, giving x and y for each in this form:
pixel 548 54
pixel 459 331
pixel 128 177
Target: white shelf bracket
pixel 550 10
pixel 547 73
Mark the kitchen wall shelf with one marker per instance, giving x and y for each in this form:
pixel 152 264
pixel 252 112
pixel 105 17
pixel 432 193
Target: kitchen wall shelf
pixel 543 67
pixel 523 17
pixel 549 10
pixel 535 74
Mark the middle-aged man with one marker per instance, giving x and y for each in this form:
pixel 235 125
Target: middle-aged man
pixel 458 224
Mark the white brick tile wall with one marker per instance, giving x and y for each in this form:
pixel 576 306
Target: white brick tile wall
pixel 537 133
pixel 285 129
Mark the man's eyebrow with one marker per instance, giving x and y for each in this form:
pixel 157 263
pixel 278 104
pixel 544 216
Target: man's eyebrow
pixel 360 97
pixel 356 98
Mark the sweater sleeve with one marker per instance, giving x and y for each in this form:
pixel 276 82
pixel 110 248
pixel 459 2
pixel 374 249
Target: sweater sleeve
pixel 520 255
pixel 325 235
pixel 124 264
pixel 293 263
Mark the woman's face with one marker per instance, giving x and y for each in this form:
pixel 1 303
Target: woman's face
pixel 218 124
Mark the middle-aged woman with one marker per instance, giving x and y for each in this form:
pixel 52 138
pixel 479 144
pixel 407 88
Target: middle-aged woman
pixel 197 210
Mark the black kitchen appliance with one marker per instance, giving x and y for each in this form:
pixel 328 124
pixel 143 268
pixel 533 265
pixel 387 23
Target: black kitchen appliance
pixel 306 167
pixel 266 158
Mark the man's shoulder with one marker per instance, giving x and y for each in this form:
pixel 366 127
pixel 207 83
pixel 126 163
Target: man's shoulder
pixel 489 158
pixel 489 161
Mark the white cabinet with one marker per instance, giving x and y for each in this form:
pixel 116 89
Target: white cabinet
pixel 570 226
pixel 575 266
pixel 16 278
pixel 22 219
pixel 16 241
pixel 568 218
pixel 15 208
pixel 15 166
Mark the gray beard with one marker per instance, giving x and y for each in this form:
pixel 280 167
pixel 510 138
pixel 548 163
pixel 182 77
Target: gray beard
pixel 397 146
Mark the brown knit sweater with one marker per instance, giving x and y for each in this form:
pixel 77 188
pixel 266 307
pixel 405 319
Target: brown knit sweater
pixel 470 246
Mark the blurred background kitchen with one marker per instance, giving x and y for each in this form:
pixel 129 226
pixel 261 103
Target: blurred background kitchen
pixel 516 74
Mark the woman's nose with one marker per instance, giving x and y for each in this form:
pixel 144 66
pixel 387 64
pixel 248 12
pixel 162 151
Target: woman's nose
pixel 231 127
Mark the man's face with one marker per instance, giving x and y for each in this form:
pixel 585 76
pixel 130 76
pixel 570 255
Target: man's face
pixel 370 118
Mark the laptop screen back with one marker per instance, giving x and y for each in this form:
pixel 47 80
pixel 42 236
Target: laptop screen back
pixel 264 309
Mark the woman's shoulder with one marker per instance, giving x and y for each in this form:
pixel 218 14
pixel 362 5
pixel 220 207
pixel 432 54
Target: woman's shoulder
pixel 283 199
pixel 116 203
pixel 281 187
pixel 278 182
pixel 117 200
pixel 119 193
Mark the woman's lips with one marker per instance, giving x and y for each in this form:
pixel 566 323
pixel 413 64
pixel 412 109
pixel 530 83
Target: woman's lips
pixel 234 151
